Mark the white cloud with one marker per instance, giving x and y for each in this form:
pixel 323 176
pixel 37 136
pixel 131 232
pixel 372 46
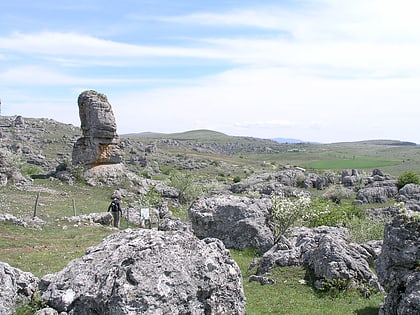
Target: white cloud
pixel 42 75
pixel 280 104
pixel 330 70
pixel 73 44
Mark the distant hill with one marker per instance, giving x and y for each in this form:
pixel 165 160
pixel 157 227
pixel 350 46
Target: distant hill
pixel 385 142
pixel 288 140
pixel 199 134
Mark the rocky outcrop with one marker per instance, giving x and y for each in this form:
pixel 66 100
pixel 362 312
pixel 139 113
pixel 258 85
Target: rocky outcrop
pixel 9 169
pixel 328 253
pixel 350 178
pixel 16 286
pixel 398 266
pixel 100 218
pixel 410 195
pixel 268 183
pixel 239 222
pixel 148 272
pixel 377 194
pixel 100 144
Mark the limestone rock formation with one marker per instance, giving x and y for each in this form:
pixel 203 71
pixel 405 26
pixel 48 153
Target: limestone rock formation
pixel 328 253
pixel 16 286
pixel 9 170
pixel 410 195
pixel 398 266
pixel 239 222
pixel 148 272
pixel 100 144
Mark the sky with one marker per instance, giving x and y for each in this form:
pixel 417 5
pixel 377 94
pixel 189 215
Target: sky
pixel 315 70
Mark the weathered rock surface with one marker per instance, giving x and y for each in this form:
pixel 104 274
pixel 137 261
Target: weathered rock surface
pixel 398 266
pixel 9 171
pixel 377 194
pixel 239 222
pixel 268 183
pixel 100 218
pixel 16 286
pixel 100 143
pixel 410 195
pixel 148 272
pixel 328 253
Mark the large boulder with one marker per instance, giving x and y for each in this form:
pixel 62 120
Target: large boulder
pixel 286 180
pixel 410 195
pixel 16 286
pixel 100 143
pixel 377 194
pixel 398 265
pixel 9 169
pixel 148 272
pixel 328 253
pixel 239 222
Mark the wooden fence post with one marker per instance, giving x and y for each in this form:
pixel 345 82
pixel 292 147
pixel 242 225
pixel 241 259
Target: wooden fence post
pixel 36 205
pixel 74 207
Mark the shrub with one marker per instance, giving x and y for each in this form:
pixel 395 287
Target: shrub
pixel 184 183
pixel 324 212
pixel 408 178
pixel 287 211
pixel 364 230
pixel 236 179
pixel 337 194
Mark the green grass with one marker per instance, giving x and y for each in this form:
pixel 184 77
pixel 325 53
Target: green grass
pixel 48 250
pixel 289 297
pixel 350 164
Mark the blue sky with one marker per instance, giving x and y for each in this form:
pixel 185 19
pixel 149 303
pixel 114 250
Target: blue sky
pixel 316 70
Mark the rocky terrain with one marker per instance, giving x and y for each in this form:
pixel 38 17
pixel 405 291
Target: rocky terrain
pixel 183 266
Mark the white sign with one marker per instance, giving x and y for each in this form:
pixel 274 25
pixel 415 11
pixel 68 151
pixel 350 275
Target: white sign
pixel 145 213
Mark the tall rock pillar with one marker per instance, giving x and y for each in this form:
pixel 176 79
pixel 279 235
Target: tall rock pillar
pixel 100 144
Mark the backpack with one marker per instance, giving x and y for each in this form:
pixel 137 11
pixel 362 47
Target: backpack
pixel 114 206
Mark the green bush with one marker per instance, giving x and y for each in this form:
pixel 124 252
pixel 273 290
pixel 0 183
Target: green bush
pixel 185 185
pixel 408 178
pixel 32 306
pixel 324 212
pixel 364 230
pixel 285 212
pixel 236 179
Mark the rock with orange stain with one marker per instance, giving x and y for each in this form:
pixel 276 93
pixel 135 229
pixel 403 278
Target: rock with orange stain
pixel 100 144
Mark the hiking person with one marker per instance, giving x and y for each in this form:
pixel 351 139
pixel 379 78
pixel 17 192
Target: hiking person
pixel 116 211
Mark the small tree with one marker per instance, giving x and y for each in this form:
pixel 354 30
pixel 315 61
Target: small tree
pixel 287 211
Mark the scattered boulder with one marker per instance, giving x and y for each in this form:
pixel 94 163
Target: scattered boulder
pixel 409 191
pixel 101 218
pixel 9 169
pixel 398 265
pixel 268 183
pixel 16 286
pixel 100 144
pixel 328 253
pixel 262 280
pixel 239 222
pixel 9 218
pixel 174 224
pixel 148 272
pixel 410 195
pixel 377 194
pixel 350 178
pixel 47 311
pixel 19 121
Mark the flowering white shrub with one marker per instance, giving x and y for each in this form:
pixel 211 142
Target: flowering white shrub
pixel 287 211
